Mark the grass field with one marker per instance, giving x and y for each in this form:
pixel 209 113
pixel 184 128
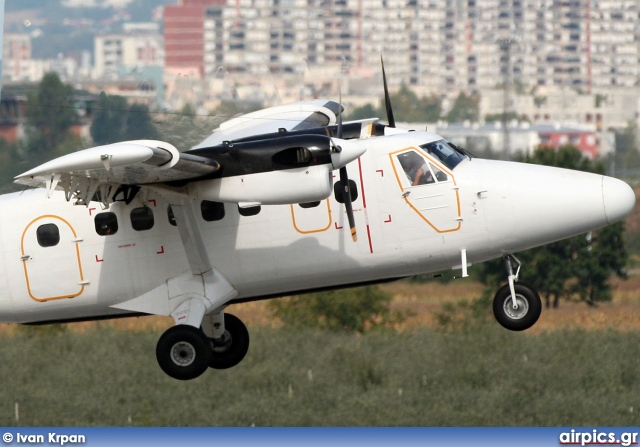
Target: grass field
pixel 580 366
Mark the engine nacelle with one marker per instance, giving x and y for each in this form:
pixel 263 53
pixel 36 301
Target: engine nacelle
pixel 297 185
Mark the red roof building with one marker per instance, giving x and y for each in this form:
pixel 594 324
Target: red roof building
pixel 184 35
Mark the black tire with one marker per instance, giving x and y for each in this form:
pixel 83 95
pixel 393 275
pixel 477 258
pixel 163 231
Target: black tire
pixel 234 346
pixel 529 307
pixel 183 352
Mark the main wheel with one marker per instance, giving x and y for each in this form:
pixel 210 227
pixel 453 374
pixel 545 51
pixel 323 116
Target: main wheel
pixel 231 348
pixel 183 352
pixel 527 312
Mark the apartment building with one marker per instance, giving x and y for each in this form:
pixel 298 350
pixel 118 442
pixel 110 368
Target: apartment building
pixel 436 45
pixel 115 52
pixel 16 57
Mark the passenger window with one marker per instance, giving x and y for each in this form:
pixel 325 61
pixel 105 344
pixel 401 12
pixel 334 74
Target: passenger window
pixel 309 204
pixel 142 218
pixel 416 168
pixel 250 211
pixel 212 211
pixel 106 223
pixel 339 194
pixel 171 217
pixel 48 235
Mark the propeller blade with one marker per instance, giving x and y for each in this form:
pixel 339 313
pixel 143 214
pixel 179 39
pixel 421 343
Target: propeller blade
pixel 387 99
pixel 346 195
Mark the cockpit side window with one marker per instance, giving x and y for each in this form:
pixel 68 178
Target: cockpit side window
pixel 416 168
pixel 444 152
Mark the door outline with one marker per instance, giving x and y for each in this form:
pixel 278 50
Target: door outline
pixel 314 230
pixel 25 258
pixel 407 190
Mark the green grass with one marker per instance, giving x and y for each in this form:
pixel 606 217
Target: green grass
pixel 487 376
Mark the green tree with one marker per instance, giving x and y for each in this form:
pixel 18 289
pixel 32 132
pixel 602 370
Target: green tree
pixel 49 114
pixel 108 122
pixel 350 310
pixel 466 107
pixel 627 156
pixel 407 107
pixel 138 124
pixel 575 268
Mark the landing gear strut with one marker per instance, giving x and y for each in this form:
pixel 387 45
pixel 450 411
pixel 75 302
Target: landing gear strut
pixel 231 346
pixel 516 306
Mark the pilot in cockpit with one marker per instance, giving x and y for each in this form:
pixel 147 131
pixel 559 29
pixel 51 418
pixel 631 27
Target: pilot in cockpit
pixel 417 170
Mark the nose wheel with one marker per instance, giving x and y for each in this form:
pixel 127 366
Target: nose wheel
pixel 523 314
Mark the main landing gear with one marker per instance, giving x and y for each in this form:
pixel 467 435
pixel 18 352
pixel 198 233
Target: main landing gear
pixel 185 352
pixel 516 306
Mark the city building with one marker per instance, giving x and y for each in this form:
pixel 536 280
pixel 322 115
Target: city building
pixel 16 57
pixel 113 52
pixel 184 36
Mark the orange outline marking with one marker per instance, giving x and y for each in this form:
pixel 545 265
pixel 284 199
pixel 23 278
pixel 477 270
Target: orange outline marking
pixel 24 261
pixel 444 169
pixel 320 230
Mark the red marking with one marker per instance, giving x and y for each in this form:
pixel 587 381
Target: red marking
pixel 154 201
pixel 381 172
pixel 364 204
pixel 126 245
pixel 337 227
pixel 182 318
pixel 98 259
pixel 91 210
pixel 388 220
pixel 364 199
pixel 369 236
pixel 161 250
pixel 334 176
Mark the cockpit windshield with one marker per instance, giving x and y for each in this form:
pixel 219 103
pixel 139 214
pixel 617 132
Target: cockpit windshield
pixel 444 152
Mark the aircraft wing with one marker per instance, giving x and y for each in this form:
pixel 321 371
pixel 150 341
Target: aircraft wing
pixel 102 172
pixel 136 162
pixel 295 116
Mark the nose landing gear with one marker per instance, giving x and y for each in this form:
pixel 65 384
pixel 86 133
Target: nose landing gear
pixel 516 306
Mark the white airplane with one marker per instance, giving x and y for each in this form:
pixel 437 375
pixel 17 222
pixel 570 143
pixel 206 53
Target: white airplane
pixel 268 206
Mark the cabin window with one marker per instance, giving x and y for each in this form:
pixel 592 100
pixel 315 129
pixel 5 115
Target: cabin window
pixel 171 217
pixel 106 223
pixel 309 204
pixel 48 235
pixel 212 211
pixel 250 211
pixel 142 218
pixel 339 194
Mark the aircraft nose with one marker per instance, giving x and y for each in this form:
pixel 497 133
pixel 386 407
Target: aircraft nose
pixel 618 198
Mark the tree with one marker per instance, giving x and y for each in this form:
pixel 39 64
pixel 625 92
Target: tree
pixel 465 108
pixel 49 114
pixel 579 267
pixel 108 122
pixel 138 125
pixel 627 156
pixel 350 310
pixel 407 107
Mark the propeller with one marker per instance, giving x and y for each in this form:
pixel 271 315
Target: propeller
pixel 387 99
pixel 344 179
